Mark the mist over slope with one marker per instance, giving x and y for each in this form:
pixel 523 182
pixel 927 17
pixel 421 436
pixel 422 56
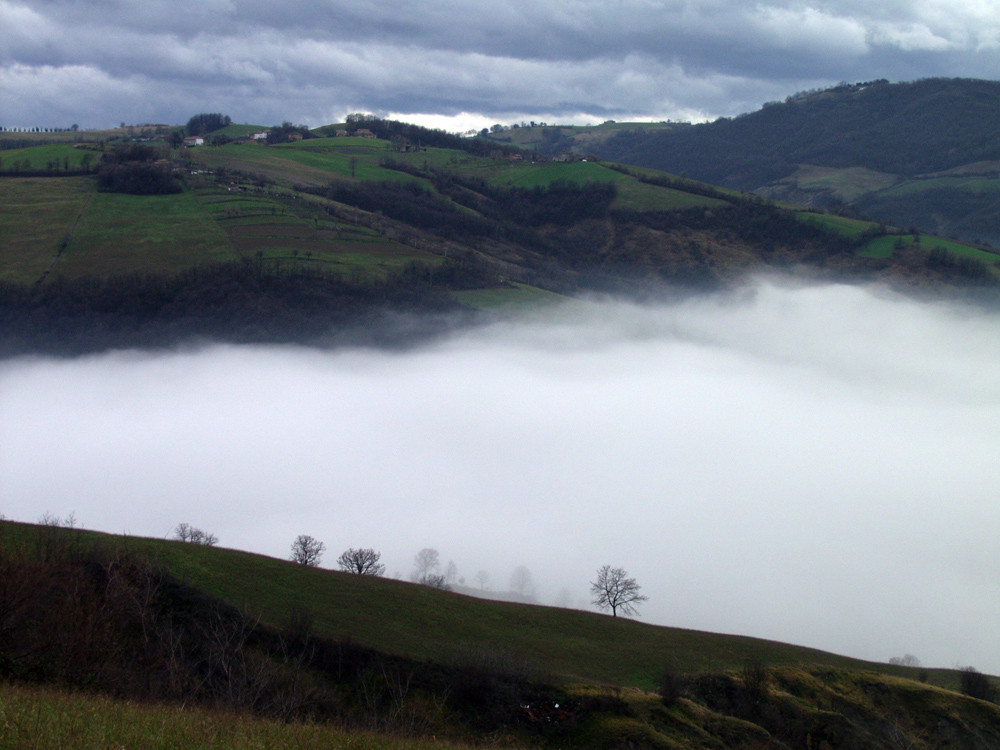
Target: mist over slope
pixel 813 464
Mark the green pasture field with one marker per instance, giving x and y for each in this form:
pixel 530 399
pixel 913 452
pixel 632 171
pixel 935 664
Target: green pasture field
pixel 36 214
pixel 69 136
pixel 41 156
pixel 883 247
pixel 147 234
pixel 520 295
pixel 292 233
pixel 424 623
pixel 46 718
pixel 632 193
pixel 841 224
pixel 292 164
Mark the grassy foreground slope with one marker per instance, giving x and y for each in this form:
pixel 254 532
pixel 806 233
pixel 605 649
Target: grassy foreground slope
pixel 45 718
pixel 405 664
pixel 420 622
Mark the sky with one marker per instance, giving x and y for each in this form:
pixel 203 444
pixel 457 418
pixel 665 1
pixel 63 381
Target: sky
pixel 810 464
pixel 460 64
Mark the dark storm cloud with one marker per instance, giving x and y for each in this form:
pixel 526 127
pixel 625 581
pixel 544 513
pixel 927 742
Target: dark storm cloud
pixel 313 61
pixel 811 464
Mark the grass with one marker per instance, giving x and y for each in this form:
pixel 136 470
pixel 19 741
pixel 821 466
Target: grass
pixel 65 226
pixel 518 296
pixel 884 247
pixel 131 233
pixel 36 214
pixel 60 154
pixel 632 193
pixel 606 697
pixel 312 162
pixel 852 228
pixel 416 621
pixel 45 718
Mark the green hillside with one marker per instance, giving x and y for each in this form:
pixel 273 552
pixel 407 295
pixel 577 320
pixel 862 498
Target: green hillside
pixel 419 217
pixel 923 154
pixel 355 652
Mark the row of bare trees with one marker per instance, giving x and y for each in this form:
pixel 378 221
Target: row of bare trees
pixel 613 591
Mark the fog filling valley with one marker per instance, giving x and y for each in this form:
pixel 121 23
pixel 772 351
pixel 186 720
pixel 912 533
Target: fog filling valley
pixel 811 464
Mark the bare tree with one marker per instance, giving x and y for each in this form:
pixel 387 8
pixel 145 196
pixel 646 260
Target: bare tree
pixel 307 551
pixel 425 564
pixel 484 579
pixel 187 533
pixel 614 590
pixel 521 582
pixel 364 562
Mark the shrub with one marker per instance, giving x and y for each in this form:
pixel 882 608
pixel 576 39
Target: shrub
pixel 975 684
pixel 669 686
pixel 136 178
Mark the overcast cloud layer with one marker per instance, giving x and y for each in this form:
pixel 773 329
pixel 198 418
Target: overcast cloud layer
pixel 461 63
pixel 815 465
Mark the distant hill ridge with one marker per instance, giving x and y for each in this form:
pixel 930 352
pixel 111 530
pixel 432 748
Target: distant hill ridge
pixel 897 138
pixel 903 128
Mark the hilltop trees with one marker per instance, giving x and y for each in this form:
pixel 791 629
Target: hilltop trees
pixel 363 561
pixel 187 533
pixel 207 122
pixel 614 590
pixel 307 551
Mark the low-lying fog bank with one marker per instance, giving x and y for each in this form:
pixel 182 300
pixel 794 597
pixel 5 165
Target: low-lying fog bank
pixel 809 464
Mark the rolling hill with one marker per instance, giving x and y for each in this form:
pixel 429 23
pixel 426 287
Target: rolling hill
pixel 923 154
pixel 325 231
pixel 171 621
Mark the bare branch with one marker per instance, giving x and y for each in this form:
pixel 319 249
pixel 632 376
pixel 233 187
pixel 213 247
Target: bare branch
pixel 614 590
pixel 363 561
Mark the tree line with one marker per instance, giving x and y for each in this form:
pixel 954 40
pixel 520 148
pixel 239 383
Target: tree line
pixel 243 301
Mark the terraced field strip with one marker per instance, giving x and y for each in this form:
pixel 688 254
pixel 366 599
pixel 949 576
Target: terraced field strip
pixel 270 226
